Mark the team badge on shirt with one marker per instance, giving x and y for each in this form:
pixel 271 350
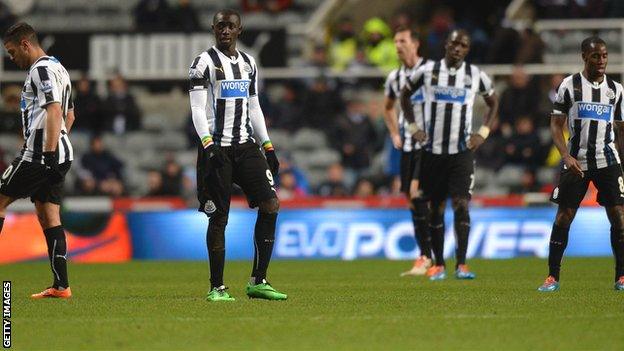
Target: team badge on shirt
pixel 610 94
pixel 247 67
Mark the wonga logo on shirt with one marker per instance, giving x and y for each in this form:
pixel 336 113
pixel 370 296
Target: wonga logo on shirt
pixel 449 94
pixel 594 111
pixel 233 89
pixel 417 97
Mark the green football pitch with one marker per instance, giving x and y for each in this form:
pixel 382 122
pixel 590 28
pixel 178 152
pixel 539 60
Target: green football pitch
pixel 359 305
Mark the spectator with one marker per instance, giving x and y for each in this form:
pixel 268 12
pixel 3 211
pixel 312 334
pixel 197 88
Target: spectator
pixel 321 104
pixel 10 113
pixel 273 6
pixel 151 15
pixel 531 48
pixel 440 26
pixel 344 44
pixel 287 114
pixel 523 147
pixel 378 45
pixel 7 19
pixel 121 111
pixel 522 97
pixel 184 17
pixel 104 168
pixel 355 136
pixel 172 178
pixel 288 187
pixel 154 184
pixel 335 184
pixel 286 165
pixel 87 107
pixel 364 188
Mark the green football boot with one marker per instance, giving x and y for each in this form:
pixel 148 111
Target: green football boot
pixel 265 291
pixel 219 294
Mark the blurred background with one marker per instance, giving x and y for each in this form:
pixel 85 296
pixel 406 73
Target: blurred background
pixel 323 64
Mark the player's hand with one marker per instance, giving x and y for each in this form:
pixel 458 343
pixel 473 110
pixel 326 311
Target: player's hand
pixel 475 141
pixel 215 155
pixel 418 133
pixel 573 165
pixel 272 161
pixel 397 142
pixel 52 171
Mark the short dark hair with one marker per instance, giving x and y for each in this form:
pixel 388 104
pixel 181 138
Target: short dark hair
pixel 413 31
pixel 227 12
pixel 20 31
pixel 587 43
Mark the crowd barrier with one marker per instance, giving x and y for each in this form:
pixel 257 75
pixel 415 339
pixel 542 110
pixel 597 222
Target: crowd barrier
pixel 312 233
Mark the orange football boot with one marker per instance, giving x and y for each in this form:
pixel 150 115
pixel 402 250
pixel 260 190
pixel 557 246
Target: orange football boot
pixel 53 293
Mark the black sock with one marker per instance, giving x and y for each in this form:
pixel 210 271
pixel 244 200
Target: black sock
pixel 420 216
pixel 437 243
pixel 462 231
pixel 215 242
pixel 558 243
pixel 264 238
pixel 57 253
pixel 1 224
pixel 617 244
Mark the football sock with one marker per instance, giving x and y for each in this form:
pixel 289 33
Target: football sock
pixel 420 215
pixel 57 253
pixel 215 241
pixel 264 238
pixel 462 231
pixel 437 243
pixel 617 244
pixel 558 243
pixel 1 223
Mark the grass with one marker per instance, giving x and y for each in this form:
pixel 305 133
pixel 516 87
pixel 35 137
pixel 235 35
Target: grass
pixel 332 306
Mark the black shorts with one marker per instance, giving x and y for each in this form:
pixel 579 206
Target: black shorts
pixel 445 176
pixel 410 169
pixel 23 179
pixel 244 165
pixel 572 188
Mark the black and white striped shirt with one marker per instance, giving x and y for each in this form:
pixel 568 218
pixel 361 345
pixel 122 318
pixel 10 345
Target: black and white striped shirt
pixel 591 109
pixel 230 81
pixel 449 95
pixel 392 89
pixel 47 82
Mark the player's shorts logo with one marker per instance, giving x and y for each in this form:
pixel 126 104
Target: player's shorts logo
pixel 556 193
pixel 591 110
pixel 6 173
pixel 233 89
pixel 449 94
pixel 210 207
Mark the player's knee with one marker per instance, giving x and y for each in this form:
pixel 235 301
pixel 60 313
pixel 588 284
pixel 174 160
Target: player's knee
pixel 616 216
pixel 419 207
pixel 564 217
pixel 216 232
pixel 269 206
pixel 437 216
pixel 460 210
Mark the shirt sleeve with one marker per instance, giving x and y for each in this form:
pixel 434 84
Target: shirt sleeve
pixel 253 85
pixel 417 79
pixel 563 102
pixel 388 90
pixel 199 77
pixel 486 87
pixel 48 89
pixel 618 113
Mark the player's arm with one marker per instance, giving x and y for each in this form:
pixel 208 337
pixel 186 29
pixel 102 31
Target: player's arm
pixel 199 96
pixel 258 123
pixel 69 120
pixel 557 124
pixel 414 82
pixel 390 117
pixel 485 89
pixel 619 136
pixel 54 118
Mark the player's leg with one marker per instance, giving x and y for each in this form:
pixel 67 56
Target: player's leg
pixel 437 231
pixel 461 183
pixel 568 195
pixel 252 173
pixel 419 209
pixel 214 186
pixel 5 201
pixel 47 201
pixel 14 184
pixel 610 184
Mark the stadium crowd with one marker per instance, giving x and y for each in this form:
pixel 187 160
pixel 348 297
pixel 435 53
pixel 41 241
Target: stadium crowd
pixel 346 112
